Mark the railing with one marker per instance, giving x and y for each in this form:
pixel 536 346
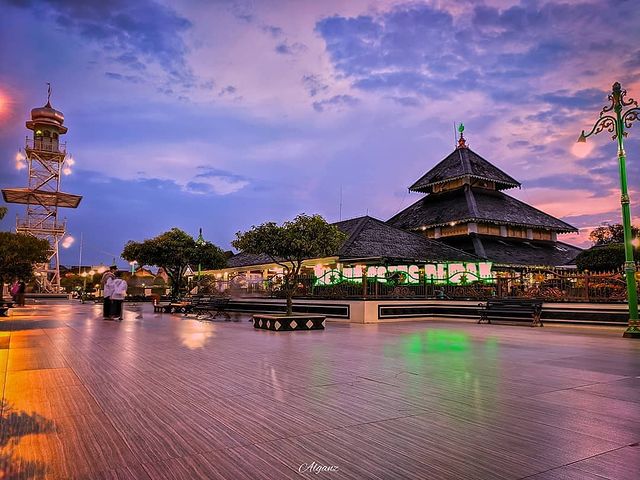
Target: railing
pixel 46 144
pixel 41 226
pixel 548 285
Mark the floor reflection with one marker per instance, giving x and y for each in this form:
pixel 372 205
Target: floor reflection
pixel 14 425
pixel 195 336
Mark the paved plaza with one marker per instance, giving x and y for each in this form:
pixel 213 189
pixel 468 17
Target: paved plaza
pixel 161 396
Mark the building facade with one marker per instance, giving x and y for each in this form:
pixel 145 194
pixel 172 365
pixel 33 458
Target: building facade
pixel 464 230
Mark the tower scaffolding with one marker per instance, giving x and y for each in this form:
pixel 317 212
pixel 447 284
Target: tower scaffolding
pixel 45 157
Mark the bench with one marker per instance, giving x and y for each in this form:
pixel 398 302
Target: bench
pixel 4 308
pixel 210 308
pixel 161 307
pixel 512 310
pixel 173 307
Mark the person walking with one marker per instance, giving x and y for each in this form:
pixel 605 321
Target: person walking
pixel 118 290
pixel 106 295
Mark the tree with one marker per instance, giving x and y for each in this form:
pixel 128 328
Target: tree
pixel 289 244
pixel 174 251
pixel 605 258
pixel 608 234
pixel 18 254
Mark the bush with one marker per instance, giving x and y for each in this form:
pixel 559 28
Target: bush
pixel 605 258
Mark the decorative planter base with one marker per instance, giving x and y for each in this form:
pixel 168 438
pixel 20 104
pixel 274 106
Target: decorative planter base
pixel 282 323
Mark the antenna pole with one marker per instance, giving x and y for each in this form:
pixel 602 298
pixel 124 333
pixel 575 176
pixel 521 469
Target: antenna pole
pixel 340 202
pixel 80 256
pixel 455 134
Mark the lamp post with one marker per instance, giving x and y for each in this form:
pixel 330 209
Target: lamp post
pixel 84 287
pixel 199 243
pixel 613 119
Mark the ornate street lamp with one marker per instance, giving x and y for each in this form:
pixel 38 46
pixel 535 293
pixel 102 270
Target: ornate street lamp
pixel 613 119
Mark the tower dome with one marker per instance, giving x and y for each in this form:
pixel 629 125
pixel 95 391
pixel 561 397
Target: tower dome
pixel 46 116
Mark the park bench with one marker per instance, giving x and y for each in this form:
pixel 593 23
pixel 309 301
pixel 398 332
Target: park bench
pixel 210 307
pixel 162 307
pixel 173 307
pixel 512 310
pixel 4 308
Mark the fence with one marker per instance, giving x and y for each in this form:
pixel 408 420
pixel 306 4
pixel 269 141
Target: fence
pixel 549 285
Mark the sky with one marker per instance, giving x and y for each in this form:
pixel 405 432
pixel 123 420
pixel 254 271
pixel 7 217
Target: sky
pixel 221 115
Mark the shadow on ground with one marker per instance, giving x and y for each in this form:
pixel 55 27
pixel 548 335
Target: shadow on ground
pixel 14 426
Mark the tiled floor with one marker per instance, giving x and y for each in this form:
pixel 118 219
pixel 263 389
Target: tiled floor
pixel 161 396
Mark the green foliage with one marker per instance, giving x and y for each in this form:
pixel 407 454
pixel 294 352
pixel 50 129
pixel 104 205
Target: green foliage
pixel 3 212
pixel 174 251
pixel 74 281
pixel 289 244
pixel 608 234
pixel 18 254
pixel 71 282
pixel 605 258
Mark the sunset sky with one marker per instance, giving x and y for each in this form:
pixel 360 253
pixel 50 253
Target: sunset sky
pixel 225 114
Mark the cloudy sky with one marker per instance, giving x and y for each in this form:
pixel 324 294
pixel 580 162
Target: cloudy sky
pixel 223 114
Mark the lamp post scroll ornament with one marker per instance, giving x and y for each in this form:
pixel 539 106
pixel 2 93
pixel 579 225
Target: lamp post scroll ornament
pixel 615 119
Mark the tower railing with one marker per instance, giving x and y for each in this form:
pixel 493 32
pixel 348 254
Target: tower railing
pixel 47 226
pixel 45 144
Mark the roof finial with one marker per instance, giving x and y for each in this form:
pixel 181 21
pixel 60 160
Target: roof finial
pixel 462 143
pixel 48 95
pixel 200 240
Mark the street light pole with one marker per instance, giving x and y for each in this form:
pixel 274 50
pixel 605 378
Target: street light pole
pixel 199 243
pixel 616 125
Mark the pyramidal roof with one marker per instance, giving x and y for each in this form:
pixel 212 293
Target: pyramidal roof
pixel 463 162
pixel 475 205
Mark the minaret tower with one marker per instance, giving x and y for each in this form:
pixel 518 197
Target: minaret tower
pixel 46 156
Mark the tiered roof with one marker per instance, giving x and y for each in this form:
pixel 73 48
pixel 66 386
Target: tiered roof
pixel 478 199
pixel 463 162
pixel 516 252
pixel 372 238
pixel 475 205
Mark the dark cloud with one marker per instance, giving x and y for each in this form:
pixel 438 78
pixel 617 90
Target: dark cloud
pixel 407 101
pixel 131 61
pixel 587 99
pixel 337 102
pixel 140 31
pixel 228 90
pixel 286 48
pixel 314 84
pixel 209 172
pixel 272 30
pixel 124 78
pixel 423 50
pixel 599 186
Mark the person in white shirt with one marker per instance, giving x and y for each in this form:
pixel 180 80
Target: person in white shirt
pixel 106 295
pixel 117 290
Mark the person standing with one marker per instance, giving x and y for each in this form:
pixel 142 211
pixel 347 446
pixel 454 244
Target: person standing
pixel 106 294
pixel 15 286
pixel 22 289
pixel 118 290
